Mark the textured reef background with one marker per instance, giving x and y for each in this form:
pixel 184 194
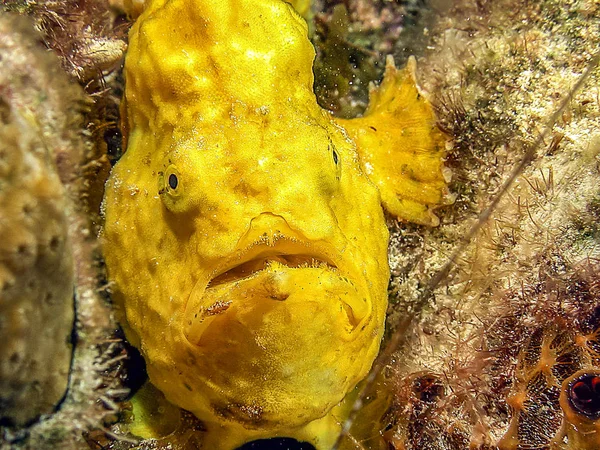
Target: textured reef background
pixel 486 362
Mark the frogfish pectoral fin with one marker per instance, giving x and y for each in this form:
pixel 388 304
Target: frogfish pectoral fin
pixel 401 148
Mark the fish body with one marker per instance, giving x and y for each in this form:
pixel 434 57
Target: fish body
pixel 245 241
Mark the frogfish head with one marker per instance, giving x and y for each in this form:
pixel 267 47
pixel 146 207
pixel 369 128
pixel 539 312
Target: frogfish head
pixel 247 249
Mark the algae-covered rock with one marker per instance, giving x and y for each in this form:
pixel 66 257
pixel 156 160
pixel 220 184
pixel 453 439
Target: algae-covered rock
pixel 513 327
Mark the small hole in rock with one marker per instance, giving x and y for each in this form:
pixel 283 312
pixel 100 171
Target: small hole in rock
pixel 54 243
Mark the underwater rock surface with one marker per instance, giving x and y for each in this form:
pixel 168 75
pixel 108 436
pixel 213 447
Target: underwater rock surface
pixel 36 259
pixel 52 320
pixel 515 322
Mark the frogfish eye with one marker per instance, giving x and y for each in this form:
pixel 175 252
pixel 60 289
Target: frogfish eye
pixel 173 181
pixel 584 395
pixel 169 182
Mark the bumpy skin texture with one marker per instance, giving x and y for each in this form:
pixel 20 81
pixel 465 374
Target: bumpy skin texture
pixel 247 248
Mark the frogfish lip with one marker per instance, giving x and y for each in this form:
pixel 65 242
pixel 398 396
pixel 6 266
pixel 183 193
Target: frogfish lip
pixel 213 296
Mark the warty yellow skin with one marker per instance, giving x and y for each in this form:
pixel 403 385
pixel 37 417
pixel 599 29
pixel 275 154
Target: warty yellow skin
pixel 247 247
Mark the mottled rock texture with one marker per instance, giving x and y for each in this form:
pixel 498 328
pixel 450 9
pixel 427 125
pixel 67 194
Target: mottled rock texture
pixel 53 324
pixel 517 317
pixel 36 260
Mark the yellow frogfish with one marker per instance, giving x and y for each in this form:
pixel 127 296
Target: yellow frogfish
pixel 244 235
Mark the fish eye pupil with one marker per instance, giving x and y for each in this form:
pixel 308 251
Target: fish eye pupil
pixel 173 181
pixel 335 157
pixel 584 395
